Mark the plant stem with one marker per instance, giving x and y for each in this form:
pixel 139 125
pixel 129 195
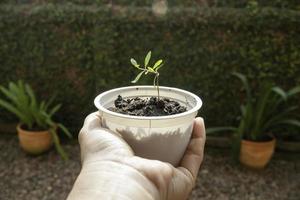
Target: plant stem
pixel 157 85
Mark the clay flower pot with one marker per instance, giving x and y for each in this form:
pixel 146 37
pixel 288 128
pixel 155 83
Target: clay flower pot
pixel 256 154
pixel 34 142
pixel 162 138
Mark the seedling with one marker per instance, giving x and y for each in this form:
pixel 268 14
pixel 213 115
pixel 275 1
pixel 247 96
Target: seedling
pixel 146 69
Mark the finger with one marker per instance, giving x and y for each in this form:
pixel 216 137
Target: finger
pixel 95 140
pixel 199 128
pixel 104 143
pixel 92 121
pixel 193 156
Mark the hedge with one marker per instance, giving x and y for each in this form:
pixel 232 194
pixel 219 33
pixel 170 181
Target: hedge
pixel 80 51
pixel 291 4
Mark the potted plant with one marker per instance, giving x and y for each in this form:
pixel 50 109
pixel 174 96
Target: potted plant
pixel 260 116
pixel 36 130
pixel 156 121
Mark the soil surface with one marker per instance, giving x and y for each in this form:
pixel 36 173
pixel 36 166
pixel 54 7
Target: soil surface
pixel 147 107
pixel 35 127
pixel 47 177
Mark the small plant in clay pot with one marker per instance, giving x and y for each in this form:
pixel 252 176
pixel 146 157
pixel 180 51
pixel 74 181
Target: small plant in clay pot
pixel 156 121
pixel 261 115
pixel 37 130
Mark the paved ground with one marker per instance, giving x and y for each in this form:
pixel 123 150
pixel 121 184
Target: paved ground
pixel 47 177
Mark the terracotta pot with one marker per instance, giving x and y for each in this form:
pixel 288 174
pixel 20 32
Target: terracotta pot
pixel 256 154
pixel 34 142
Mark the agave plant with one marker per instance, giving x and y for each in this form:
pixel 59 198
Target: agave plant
pixel 22 102
pixel 261 115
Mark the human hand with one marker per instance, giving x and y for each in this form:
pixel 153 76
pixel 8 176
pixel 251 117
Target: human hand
pixel 110 170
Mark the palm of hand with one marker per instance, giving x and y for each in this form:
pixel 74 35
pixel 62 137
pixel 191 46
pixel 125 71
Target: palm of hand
pixel 161 180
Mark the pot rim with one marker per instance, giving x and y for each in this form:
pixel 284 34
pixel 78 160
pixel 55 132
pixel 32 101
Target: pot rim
pixel 19 128
pixel 259 142
pixel 194 109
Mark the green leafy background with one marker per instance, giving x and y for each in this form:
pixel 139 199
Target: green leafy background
pixel 77 50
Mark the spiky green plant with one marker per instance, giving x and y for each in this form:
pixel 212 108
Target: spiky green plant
pixel 147 69
pixel 260 116
pixel 22 102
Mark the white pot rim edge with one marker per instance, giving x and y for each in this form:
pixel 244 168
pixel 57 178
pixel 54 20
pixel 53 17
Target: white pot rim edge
pixel 103 109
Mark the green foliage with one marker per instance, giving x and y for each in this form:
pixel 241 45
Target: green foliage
pixel 51 50
pixel 292 4
pixel 22 102
pixel 80 51
pixel 272 107
pixel 261 115
pixel 147 69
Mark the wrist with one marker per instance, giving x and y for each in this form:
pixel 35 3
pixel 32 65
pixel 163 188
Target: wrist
pixel 106 178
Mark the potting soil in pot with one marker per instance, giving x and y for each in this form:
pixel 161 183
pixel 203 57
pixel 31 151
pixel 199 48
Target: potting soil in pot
pixel 147 106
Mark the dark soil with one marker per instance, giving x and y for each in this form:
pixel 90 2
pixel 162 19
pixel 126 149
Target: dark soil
pixel 260 138
pixel 35 127
pixel 147 107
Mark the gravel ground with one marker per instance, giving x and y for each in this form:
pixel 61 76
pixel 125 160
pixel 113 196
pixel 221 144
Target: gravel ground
pixel 47 177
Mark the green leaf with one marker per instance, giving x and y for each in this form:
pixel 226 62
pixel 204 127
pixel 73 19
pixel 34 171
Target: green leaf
pixel 58 146
pixel 20 90
pixel 150 69
pixel 147 58
pixel 22 98
pixel 54 109
pixel 292 122
pixel 157 64
pixel 157 68
pixel 9 95
pixel 42 105
pixel 137 77
pixel 275 119
pixel 14 110
pixel 134 63
pixel 65 130
pixel 262 103
pixel 39 118
pixel 245 83
pixel 33 103
pixel 236 144
pixel 49 102
pixel 246 122
pixel 280 92
pixel 293 91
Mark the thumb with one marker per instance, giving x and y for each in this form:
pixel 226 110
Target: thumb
pixel 100 143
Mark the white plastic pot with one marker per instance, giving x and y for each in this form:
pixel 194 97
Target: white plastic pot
pixel 162 138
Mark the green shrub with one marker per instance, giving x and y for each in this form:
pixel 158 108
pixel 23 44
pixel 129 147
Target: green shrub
pixel 291 4
pixel 77 52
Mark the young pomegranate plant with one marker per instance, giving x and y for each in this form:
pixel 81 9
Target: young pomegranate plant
pixel 147 69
